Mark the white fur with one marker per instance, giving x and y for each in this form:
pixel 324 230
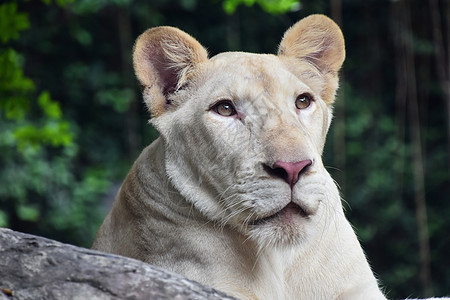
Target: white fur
pixel 196 200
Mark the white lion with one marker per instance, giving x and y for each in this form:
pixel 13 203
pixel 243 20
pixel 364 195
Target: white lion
pixel 234 193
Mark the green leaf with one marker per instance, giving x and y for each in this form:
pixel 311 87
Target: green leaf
pixel 278 6
pixel 118 99
pixel 27 136
pixel 49 107
pixel 15 108
pixel 269 6
pixel 56 134
pixel 3 219
pixel 11 73
pixel 230 5
pixel 52 133
pixel 11 22
pixel 28 213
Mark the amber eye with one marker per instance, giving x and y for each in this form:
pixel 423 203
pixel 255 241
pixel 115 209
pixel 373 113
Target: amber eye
pixel 303 101
pixel 224 108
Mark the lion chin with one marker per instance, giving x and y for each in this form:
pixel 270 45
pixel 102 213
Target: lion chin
pixel 284 228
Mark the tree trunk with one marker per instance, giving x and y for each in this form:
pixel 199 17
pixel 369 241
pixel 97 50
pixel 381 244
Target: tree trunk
pixel 442 56
pixel 408 89
pixel 126 48
pixel 339 135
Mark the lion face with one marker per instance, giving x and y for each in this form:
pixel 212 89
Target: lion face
pixel 246 121
pixel 244 133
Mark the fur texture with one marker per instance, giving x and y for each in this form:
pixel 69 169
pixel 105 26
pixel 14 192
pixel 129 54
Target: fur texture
pixel 207 199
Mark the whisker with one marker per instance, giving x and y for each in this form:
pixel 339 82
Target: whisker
pixel 333 168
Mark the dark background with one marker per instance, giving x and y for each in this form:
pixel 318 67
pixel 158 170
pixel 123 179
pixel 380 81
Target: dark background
pixel 72 119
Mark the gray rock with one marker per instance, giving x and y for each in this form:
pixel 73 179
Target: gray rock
pixel 33 267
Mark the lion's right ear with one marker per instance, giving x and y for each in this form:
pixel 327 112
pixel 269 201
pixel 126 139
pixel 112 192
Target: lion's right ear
pixel 164 58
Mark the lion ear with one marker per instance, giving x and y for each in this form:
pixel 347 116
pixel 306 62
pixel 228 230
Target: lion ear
pixel 318 41
pixel 164 59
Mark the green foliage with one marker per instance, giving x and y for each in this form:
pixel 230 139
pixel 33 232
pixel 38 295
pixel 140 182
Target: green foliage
pixel 269 6
pixel 49 107
pixel 54 130
pixel 3 219
pixel 28 213
pixel 38 149
pixel 11 22
pixel 118 99
pixel 40 189
pixel 14 87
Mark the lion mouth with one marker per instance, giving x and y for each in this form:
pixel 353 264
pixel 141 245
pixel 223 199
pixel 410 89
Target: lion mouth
pixel 285 214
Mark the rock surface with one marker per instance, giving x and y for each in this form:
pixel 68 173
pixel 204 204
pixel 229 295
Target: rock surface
pixel 33 267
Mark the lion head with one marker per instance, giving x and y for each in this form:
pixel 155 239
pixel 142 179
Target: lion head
pixel 244 133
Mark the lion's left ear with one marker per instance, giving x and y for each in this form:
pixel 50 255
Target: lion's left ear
pixel 318 41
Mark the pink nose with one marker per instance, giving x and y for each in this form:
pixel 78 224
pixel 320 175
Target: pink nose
pixel 289 171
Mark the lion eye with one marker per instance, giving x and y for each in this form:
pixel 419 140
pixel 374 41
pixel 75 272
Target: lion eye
pixel 224 108
pixel 303 101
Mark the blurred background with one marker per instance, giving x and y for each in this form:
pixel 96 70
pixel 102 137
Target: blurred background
pixel 72 119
